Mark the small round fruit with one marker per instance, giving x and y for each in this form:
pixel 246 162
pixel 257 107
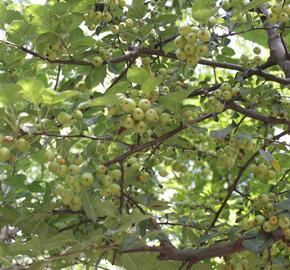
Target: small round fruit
pixel 128 105
pixel 204 35
pixel 181 55
pixel 144 176
pixel 192 60
pixel 115 174
pixel 52 167
pixel 101 169
pixel 151 115
pixel 77 114
pixel 86 179
pixel 226 86
pixel 273 220
pixel 184 30
pixel 235 91
pixel 276 8
pixel 73 169
pixel 272 18
pixel 128 122
pixel 77 159
pixel 22 145
pixel 283 17
pixel 115 29
pixel 257 50
pixel 115 189
pixel 63 118
pixel 189 49
pixel 61 170
pixel 257 60
pixel 138 114
pixel 59 189
pixel 267 227
pixel 165 118
pixel 66 196
pixel 202 50
pixel 107 17
pixel 49 155
pixel 129 23
pixel 259 219
pixel 218 93
pixel 106 180
pixel 226 5
pixel 97 61
pixel 227 95
pixel 284 222
pixel 122 25
pixel 191 38
pixel 141 127
pixel 69 180
pixel 122 3
pixel 4 154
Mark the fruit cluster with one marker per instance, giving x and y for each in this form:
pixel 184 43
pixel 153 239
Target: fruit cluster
pixel 10 145
pixel 73 178
pixel 138 117
pixel 262 171
pixel 279 14
pixel 234 150
pixel 54 51
pixel 268 216
pixel 191 44
pixel 66 119
pixel 249 62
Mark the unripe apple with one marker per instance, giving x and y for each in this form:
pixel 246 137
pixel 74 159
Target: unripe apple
pixel 144 176
pixel 69 180
pixel 225 86
pixel 87 179
pixel 115 189
pixel 284 222
pixel 141 127
pixel 122 3
pixel 128 105
pixel 53 167
pixel 77 114
pixel 286 9
pixel 227 95
pixel 115 29
pixel 4 154
pixel 129 23
pixel 184 30
pixel 259 219
pixel 101 169
pixel 98 15
pixel 128 122
pixel 106 180
pixel 226 5
pixel 257 50
pixel 181 55
pixel 235 91
pixel 190 38
pixel 271 174
pixel 202 50
pixel 107 17
pixel 49 155
pixel 283 17
pixel 97 61
pixel 276 8
pixel 267 227
pixel 165 118
pixel 273 220
pixel 66 196
pixel 272 18
pixel 75 206
pixel 138 114
pixel 115 174
pixel 73 169
pixel 59 189
pixel 262 168
pixel 61 170
pixel 218 93
pixel 192 60
pixel 122 25
pixel 257 60
pixel 63 118
pixel 189 49
pixel 151 115
pixel 204 35
pixel 77 159
pixel 218 107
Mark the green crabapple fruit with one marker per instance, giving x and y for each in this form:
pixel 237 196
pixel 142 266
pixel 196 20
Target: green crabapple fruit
pixel 138 114
pixel 63 118
pixel 49 155
pixel 4 154
pixel 204 35
pixel 128 105
pixel 86 179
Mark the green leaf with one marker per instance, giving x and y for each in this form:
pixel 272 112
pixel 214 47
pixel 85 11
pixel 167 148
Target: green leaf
pixel 32 90
pixel 251 5
pixel 96 76
pixel 138 9
pixel 37 265
pixel 9 93
pixel 88 203
pixel 3 15
pixel 16 181
pixel 51 97
pixel 58 240
pixel 266 155
pixel 102 101
pixel 172 101
pixel 150 84
pixel 222 133
pixel 138 75
pixel 38 16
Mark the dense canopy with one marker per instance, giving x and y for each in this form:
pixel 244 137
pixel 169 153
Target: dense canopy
pixel 145 134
